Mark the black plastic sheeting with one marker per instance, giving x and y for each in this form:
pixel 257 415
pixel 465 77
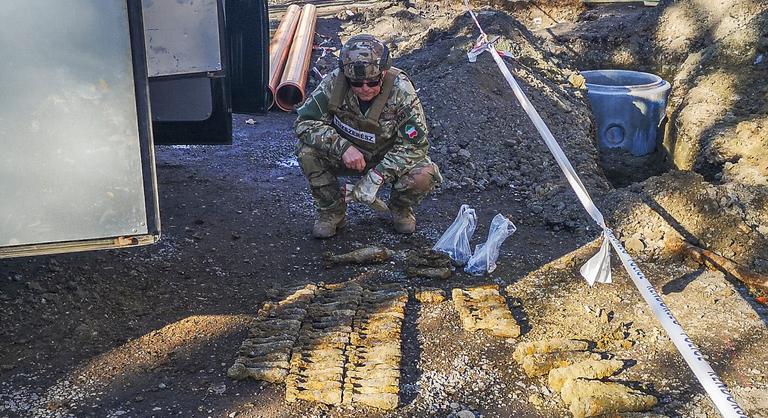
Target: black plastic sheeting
pixel 247 23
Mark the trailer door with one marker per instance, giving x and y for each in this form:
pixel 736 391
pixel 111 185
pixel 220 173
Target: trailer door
pixel 76 151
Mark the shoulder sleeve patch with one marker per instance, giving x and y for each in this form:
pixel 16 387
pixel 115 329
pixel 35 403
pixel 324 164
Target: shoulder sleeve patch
pixel 404 114
pixel 410 129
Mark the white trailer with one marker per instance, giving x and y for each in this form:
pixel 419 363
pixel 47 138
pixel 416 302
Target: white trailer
pixel 90 86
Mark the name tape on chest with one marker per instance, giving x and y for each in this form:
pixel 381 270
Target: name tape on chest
pixel 354 133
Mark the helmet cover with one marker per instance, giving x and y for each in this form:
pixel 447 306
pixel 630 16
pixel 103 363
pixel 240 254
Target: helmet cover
pixel 363 57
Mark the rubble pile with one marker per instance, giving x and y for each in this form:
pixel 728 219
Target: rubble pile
pixel 650 215
pixel 483 140
pixel 715 57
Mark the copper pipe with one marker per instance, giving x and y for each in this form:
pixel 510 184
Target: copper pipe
pixel 290 92
pixel 279 47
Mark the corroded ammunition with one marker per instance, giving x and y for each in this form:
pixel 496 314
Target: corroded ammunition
pixel 361 256
pixel 540 364
pixel 548 346
pixel 590 369
pixel 589 398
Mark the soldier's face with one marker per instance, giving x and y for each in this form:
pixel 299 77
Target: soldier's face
pixel 366 92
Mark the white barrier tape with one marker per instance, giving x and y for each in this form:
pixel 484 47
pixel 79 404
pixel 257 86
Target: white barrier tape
pixel 717 390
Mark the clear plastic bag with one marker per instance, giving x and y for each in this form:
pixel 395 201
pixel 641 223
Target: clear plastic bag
pixel 484 259
pixel 455 240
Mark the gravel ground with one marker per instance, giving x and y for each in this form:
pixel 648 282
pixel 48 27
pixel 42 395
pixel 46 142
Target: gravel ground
pixel 151 331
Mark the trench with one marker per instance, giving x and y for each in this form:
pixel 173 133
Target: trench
pixel 629 110
pixel 623 169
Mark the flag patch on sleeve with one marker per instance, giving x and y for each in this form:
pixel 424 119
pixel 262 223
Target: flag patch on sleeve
pixel 411 131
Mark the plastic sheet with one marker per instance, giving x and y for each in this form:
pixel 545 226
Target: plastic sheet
pixel 455 240
pixel 486 254
pixel 598 268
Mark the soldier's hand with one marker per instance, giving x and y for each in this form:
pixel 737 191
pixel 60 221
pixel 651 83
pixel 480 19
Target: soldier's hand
pixel 353 159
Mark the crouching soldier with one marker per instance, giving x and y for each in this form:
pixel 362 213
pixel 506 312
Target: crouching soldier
pixel 365 118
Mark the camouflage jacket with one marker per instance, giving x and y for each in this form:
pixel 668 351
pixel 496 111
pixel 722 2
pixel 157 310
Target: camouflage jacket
pixel 402 127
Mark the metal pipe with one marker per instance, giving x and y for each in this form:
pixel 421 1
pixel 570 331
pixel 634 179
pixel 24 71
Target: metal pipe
pixel 290 92
pixel 279 47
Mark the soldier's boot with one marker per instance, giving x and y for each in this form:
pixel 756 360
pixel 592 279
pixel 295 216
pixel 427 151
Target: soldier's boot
pixel 331 209
pixel 403 219
pixel 329 222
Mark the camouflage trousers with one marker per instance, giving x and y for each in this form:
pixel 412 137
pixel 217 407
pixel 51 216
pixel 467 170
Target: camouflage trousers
pixel 322 173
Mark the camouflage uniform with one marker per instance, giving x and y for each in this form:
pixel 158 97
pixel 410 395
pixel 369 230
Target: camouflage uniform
pixel 395 144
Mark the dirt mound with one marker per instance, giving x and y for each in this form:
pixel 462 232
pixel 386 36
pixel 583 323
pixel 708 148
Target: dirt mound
pixel 715 54
pixel 481 137
pixel 728 219
pixel 483 140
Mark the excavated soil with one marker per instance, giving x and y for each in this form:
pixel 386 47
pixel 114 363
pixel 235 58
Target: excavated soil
pixel 152 331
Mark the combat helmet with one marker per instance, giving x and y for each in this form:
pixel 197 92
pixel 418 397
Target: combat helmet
pixel 363 57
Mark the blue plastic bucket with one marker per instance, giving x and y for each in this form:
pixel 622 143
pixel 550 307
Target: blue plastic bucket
pixel 628 106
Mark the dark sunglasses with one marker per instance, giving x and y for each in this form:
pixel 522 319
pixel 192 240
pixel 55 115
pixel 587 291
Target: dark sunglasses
pixel 360 83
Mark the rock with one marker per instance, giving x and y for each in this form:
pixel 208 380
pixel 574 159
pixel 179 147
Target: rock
pixel 465 414
pixel 82 329
pixel 761 265
pixel 500 181
pixel 35 286
pixel 634 245
pixel 219 389
pixel 577 80
pixel 465 154
pixel 536 400
pixel 605 316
